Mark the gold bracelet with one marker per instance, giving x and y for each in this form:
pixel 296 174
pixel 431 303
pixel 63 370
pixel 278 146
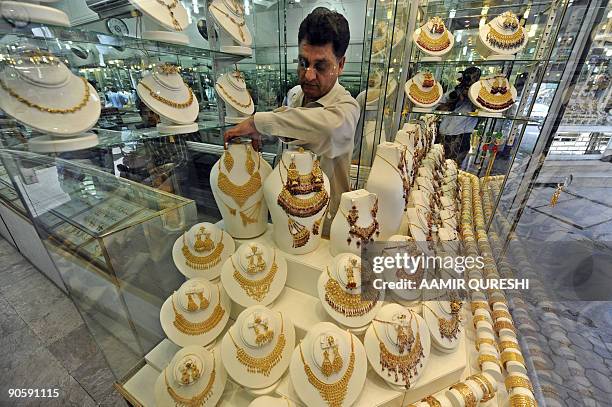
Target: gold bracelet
pixel 478 318
pixel 501 313
pixel 469 400
pixel 431 401
pixel 520 400
pixel 479 305
pixel 518 381
pixel 488 358
pixel 503 345
pixel 487 387
pixel 512 357
pixel 488 341
pixel 499 325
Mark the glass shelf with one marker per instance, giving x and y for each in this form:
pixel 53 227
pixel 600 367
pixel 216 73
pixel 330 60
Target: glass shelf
pixel 476 8
pixel 520 119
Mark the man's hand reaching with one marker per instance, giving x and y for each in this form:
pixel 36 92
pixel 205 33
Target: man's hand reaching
pixel 246 129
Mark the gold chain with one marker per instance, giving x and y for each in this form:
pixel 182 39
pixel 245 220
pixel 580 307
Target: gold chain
pixel 265 363
pixel 203 262
pixel 230 97
pixel 332 393
pixel 169 102
pixel 256 289
pixel 198 328
pixel 199 399
pixel 422 96
pixel 170 8
pixel 240 24
pixel 45 109
pixel 349 305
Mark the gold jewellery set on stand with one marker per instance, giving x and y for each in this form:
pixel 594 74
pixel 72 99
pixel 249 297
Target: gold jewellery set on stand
pixel 199 328
pixel 191 372
pixel 513 35
pixel 438 38
pixel 495 93
pixel 237 18
pixel 430 92
pixel 256 289
pixel 239 77
pixel 241 193
pixel 203 244
pixel 362 234
pixel 448 328
pixel 347 304
pixel 298 184
pixel 170 7
pixel 169 69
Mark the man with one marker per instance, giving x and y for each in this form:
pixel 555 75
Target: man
pixel 321 115
pixel 117 99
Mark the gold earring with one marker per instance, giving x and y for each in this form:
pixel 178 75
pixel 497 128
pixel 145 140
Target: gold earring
pixel 250 163
pixel 293 177
pixel 326 367
pixel 204 303
pixel 265 337
pixel 350 275
pixel 203 245
pixel 261 264
pixel 191 305
pixel 317 174
pixel 338 362
pixel 228 160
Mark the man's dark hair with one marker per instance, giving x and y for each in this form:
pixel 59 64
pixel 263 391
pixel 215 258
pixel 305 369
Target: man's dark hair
pixel 323 26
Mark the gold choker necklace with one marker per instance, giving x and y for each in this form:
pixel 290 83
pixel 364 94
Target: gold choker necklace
pixel 302 208
pixel 422 96
pixel 199 399
pixel 262 365
pixel 433 44
pixel 198 328
pixel 300 184
pixel 332 393
pixel 239 193
pixel 168 102
pixel 349 305
pixel 256 289
pixel 45 109
pixel 497 96
pixel 203 262
pixel 505 41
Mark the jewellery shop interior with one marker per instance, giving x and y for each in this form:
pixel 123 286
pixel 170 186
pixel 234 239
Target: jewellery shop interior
pixel 200 271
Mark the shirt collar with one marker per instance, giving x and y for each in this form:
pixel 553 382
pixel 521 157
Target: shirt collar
pixel 323 101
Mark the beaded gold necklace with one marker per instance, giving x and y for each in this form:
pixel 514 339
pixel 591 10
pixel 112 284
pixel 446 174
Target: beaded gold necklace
pixel 302 207
pixel 332 393
pixel 422 96
pixel 177 105
pixel 203 262
pixel 199 399
pixel 256 289
pixel 198 328
pixel 239 193
pixel 349 305
pixel 496 95
pixel 448 328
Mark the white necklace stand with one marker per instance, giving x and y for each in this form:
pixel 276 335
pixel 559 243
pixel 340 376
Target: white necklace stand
pixel 312 348
pixel 442 308
pixel 239 175
pixel 172 372
pixel 53 86
pixel 364 201
pixel 233 87
pixel 54 144
pixel 373 94
pixel 211 292
pixel 384 180
pixel 483 111
pixel 190 237
pixel 243 332
pixel 267 401
pixel 159 24
pixel 236 292
pixel 492 53
pixel 388 335
pixel 338 273
pixel 432 55
pixel 272 187
pixel 25 12
pixel 171 87
pixel 418 81
pixel 230 34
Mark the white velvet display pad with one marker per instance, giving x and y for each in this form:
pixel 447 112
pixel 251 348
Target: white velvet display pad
pixel 267 401
pixel 245 338
pixel 445 345
pixel 172 88
pixel 237 293
pixel 489 49
pixel 473 95
pixel 236 88
pixel 384 180
pixel 272 188
pixel 441 53
pixel 51 86
pixel 228 26
pixel 33 13
pixel 213 272
pixel 166 317
pixel 339 275
pixel 238 175
pixel 163 398
pixel 385 333
pixel 339 232
pixel 418 80
pixel 309 394
pixel 56 144
pixel 160 14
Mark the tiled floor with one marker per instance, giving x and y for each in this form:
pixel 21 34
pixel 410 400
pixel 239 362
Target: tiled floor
pixel 44 343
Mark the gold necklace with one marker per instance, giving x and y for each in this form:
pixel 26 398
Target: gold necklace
pixel 198 328
pixel 248 215
pixel 424 97
pixel 265 363
pixel 45 109
pixel 168 102
pixel 349 305
pixel 505 41
pixel 170 8
pixel 497 97
pixel 203 262
pixel 199 399
pixel 233 99
pixel 404 366
pixel 300 207
pixel 449 328
pixel 332 393
pixel 363 234
pixel 299 233
pixel 256 289
pixel 433 44
pixel 240 24
pixel 301 184
pixel 239 193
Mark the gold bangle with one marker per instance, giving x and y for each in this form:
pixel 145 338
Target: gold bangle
pixel 469 400
pixel 478 318
pixel 431 401
pixel 487 387
pixel 520 400
pixel 488 358
pixel 488 341
pixel 501 313
pixel 503 345
pixel 479 305
pixel 499 325
pixel 512 357
pixel 518 381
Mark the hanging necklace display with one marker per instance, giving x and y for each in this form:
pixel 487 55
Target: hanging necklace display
pixel 171 7
pixel 510 36
pixel 495 93
pixel 233 99
pixel 256 289
pixel 205 262
pixel 168 102
pixel 433 36
pixel 363 234
pixel 198 328
pixel 343 302
pixel 299 184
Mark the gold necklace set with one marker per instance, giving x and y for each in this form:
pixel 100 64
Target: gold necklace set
pixel 241 193
pixel 449 328
pixel 199 399
pixel 237 22
pixel 434 44
pixel 495 93
pixel 349 305
pixel 198 328
pixel 262 365
pixel 363 234
pixel 402 366
pixel 208 261
pixel 170 7
pixel 177 105
pixel 332 393
pixel 502 40
pixel 256 289
pixel 233 99
pixel 425 97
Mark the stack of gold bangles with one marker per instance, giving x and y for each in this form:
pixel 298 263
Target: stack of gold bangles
pixel 521 400
pixel 518 381
pixel 488 341
pixel 486 386
pixel 510 356
pixel 488 358
pixel 469 400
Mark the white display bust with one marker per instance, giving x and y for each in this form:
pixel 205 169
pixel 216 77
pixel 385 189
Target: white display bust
pixel 415 85
pixel 234 35
pixel 25 12
pixel 175 19
pixel 247 170
pixel 193 372
pixel 402 244
pixel 388 182
pixel 355 223
pixel 231 88
pixel 254 263
pixel 334 284
pixel 44 81
pixel 257 332
pixel 208 260
pixel 312 348
pixel 292 233
pixel 491 51
pixel 398 319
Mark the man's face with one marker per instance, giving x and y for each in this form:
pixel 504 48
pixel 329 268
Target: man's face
pixel 318 69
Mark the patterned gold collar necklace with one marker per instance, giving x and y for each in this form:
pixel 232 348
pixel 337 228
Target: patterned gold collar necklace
pixel 203 262
pixel 349 305
pixel 199 399
pixel 198 328
pixel 256 289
